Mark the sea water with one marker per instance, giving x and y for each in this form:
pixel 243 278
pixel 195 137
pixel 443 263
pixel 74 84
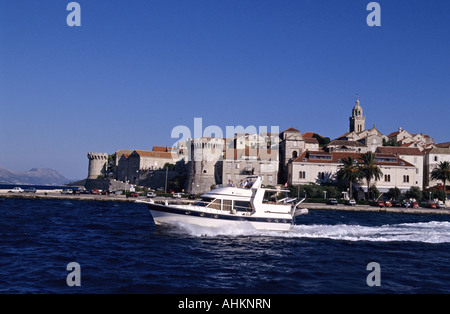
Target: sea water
pixel 120 250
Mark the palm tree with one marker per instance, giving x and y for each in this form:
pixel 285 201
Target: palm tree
pixel 348 172
pixel 442 172
pixel 368 169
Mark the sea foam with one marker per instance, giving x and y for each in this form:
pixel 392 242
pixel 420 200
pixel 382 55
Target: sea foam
pixel 426 232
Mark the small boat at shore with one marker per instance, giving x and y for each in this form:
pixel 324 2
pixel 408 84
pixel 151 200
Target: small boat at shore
pixel 248 205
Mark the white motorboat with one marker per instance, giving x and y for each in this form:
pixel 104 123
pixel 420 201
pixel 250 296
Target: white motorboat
pixel 248 205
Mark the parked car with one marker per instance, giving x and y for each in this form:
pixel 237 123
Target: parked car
pixel 332 201
pixel 415 205
pixel 95 191
pixel 432 205
pixel 191 196
pixel 134 194
pixel 380 203
pixel 16 190
pixel 176 195
pixel 440 204
pixel 151 194
pixel 388 204
pixel 397 204
pixel 406 204
pixel 351 202
pixel 67 191
pixel 30 190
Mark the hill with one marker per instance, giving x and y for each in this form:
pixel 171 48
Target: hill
pixel 34 176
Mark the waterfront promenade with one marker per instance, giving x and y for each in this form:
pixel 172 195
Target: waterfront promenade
pixel 122 198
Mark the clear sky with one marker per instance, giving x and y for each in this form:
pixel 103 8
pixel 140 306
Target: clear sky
pixel 136 69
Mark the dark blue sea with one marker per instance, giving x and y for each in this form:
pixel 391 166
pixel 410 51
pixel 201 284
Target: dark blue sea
pixel 120 250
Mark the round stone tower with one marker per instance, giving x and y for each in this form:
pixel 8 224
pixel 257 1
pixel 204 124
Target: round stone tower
pixel 97 164
pixel 205 154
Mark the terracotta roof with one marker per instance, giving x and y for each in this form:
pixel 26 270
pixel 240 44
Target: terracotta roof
pixel 437 150
pixel 291 130
pixel 311 140
pixel 160 149
pixel 335 157
pixel 393 134
pixel 125 156
pixel 443 145
pixel 346 143
pixel 343 135
pixel 399 150
pixel 146 153
pixel 308 135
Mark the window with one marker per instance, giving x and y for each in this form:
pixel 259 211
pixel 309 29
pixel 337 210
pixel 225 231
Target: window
pixel 406 179
pixel 215 204
pixel 227 205
pixel 387 178
pixel 435 158
pixel 242 206
pixel 228 165
pixel 269 178
pixel 302 174
pixel 237 166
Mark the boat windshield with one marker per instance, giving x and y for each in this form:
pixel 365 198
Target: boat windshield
pixel 205 201
pixel 226 205
pixel 277 197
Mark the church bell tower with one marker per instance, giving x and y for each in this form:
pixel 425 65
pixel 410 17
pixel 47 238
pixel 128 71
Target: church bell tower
pixel 357 120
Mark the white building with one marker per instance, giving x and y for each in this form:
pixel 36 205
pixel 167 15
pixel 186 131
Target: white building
pixel 321 167
pixel 432 158
pixel 412 155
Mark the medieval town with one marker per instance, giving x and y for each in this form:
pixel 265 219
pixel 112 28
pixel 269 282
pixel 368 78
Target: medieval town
pixel 290 158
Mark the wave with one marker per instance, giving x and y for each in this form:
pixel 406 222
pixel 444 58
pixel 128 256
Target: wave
pixel 426 232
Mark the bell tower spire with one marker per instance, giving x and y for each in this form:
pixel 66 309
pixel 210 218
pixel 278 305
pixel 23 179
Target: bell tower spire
pixel 357 120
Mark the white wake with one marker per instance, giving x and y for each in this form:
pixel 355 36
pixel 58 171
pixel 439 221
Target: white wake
pixel 426 232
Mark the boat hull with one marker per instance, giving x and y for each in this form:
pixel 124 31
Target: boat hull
pixel 170 215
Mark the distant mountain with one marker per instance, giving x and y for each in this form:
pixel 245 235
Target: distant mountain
pixel 34 176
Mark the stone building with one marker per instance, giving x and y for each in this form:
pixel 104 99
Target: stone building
pixel 371 138
pixel 406 139
pixel 204 164
pixel 292 144
pixel 321 167
pixel 239 163
pixel 135 166
pixel 357 120
pixel 98 164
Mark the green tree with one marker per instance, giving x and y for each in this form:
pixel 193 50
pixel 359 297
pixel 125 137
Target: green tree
pixel 348 172
pixel 110 166
pixel 374 193
pixel 368 169
pixel 414 192
pixel 442 173
pixel 322 140
pixel 394 193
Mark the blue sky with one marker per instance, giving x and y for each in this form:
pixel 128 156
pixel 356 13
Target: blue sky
pixel 136 69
